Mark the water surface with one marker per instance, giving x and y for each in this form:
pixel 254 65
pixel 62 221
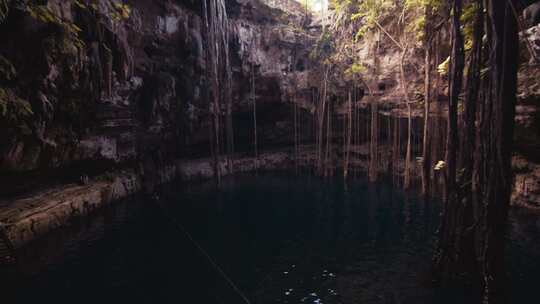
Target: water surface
pixel 277 238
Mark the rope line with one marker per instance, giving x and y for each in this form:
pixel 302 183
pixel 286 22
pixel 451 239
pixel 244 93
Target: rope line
pixel 182 229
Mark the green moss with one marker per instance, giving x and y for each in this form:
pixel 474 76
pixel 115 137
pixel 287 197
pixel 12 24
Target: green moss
pixel 118 11
pixel 121 11
pixel 467 19
pixel 70 40
pixel 354 70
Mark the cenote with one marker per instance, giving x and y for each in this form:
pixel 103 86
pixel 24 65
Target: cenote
pixel 278 238
pixel 269 151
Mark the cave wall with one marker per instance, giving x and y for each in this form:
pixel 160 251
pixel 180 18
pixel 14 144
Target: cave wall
pixel 111 83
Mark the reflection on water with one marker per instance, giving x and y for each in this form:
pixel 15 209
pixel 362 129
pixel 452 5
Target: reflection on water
pixel 281 239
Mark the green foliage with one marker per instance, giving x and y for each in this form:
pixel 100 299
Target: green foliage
pixel 440 165
pixel 118 11
pixel 410 15
pixel 354 71
pixel 122 11
pixel 467 21
pixel 369 11
pixel 423 3
pixel 343 5
pixel 443 67
pixel 71 40
pixel 417 24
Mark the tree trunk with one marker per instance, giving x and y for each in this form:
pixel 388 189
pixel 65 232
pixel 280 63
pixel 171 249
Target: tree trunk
pixel 446 262
pixel 467 215
pixel 426 157
pixel 504 64
pixel 437 139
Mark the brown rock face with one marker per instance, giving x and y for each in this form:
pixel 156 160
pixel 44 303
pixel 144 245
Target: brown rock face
pixel 105 85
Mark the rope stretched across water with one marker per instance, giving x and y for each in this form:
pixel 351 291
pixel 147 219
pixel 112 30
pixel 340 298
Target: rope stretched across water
pixel 180 227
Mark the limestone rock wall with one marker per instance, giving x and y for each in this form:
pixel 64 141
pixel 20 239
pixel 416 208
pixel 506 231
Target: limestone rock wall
pixel 93 85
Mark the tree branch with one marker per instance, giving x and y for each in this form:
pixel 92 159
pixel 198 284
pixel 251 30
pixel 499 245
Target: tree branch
pixel 390 36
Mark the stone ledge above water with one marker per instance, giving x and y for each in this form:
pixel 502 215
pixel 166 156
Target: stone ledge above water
pixel 32 216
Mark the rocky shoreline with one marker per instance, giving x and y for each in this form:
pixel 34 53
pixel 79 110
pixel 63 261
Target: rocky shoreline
pixel 33 215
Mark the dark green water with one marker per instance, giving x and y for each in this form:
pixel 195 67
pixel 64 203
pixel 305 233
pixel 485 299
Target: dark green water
pixel 280 239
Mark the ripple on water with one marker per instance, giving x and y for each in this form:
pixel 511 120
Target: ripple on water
pixel 281 239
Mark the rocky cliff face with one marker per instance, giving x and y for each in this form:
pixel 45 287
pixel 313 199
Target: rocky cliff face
pixel 101 84
pixel 91 86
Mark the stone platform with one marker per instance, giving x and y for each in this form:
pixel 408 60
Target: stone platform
pixel 33 215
